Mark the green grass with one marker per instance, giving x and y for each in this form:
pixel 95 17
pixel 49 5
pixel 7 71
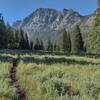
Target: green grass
pixel 7 92
pixel 61 81
pixel 41 57
pixel 53 77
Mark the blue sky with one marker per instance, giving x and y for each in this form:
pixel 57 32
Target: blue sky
pixel 13 10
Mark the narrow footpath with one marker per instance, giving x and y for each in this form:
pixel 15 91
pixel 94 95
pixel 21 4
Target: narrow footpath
pixel 14 81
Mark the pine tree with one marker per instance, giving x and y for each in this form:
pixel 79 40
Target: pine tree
pixel 31 45
pixel 17 39
pixel 97 15
pixel 93 41
pixel 77 41
pixel 22 43
pixel 27 47
pixel 49 45
pixel 37 44
pixel 3 33
pixel 55 47
pixel 10 37
pixel 41 45
pixel 63 40
pixel 68 43
pixel 93 38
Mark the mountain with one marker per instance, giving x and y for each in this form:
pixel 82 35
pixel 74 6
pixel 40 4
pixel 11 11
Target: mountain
pixel 48 23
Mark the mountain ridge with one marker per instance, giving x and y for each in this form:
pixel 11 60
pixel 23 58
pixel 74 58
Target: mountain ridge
pixel 47 23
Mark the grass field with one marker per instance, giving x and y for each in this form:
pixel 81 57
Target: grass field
pixel 7 92
pixel 61 81
pixel 51 77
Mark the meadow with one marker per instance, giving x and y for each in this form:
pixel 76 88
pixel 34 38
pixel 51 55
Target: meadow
pixel 7 91
pixel 51 77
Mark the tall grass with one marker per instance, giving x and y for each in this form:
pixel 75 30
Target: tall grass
pixel 7 92
pixel 60 81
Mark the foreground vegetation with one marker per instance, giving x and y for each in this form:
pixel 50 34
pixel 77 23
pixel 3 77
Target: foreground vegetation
pixel 51 77
pixel 61 81
pixel 7 92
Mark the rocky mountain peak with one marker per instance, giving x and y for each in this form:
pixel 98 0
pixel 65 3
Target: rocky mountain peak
pixel 46 22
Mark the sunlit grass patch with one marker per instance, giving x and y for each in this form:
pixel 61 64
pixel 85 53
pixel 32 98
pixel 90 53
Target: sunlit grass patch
pixel 59 81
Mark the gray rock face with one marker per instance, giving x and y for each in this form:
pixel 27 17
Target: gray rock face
pixel 47 23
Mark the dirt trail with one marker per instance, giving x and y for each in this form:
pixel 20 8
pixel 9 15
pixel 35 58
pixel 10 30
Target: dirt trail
pixel 14 81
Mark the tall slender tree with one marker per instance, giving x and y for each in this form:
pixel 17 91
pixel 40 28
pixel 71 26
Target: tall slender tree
pixel 93 38
pixel 41 45
pixel 27 46
pixel 22 43
pixel 63 40
pixel 17 38
pixel 10 37
pixel 3 33
pixel 68 43
pixel 31 45
pixel 49 45
pixel 97 15
pixel 77 41
pixel 37 44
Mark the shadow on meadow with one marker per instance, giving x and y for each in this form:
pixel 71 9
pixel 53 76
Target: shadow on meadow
pixel 52 60
pixel 6 59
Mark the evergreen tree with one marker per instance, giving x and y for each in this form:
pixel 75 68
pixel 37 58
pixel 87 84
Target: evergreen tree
pixel 41 45
pixel 31 45
pixel 49 45
pixel 97 15
pixel 3 33
pixel 55 47
pixel 93 38
pixel 37 44
pixel 26 42
pixel 68 43
pixel 17 38
pixel 10 37
pixel 77 41
pixel 93 41
pixel 63 40
pixel 22 43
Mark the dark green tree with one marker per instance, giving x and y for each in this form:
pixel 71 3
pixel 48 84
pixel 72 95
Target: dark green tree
pixel 93 41
pixel 93 38
pixel 41 45
pixel 37 44
pixel 49 45
pixel 22 43
pixel 77 41
pixel 97 15
pixel 17 39
pixel 31 45
pixel 54 47
pixel 27 46
pixel 68 43
pixel 10 37
pixel 63 40
pixel 3 33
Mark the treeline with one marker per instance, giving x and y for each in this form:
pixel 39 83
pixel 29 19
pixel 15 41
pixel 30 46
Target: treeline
pixel 12 39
